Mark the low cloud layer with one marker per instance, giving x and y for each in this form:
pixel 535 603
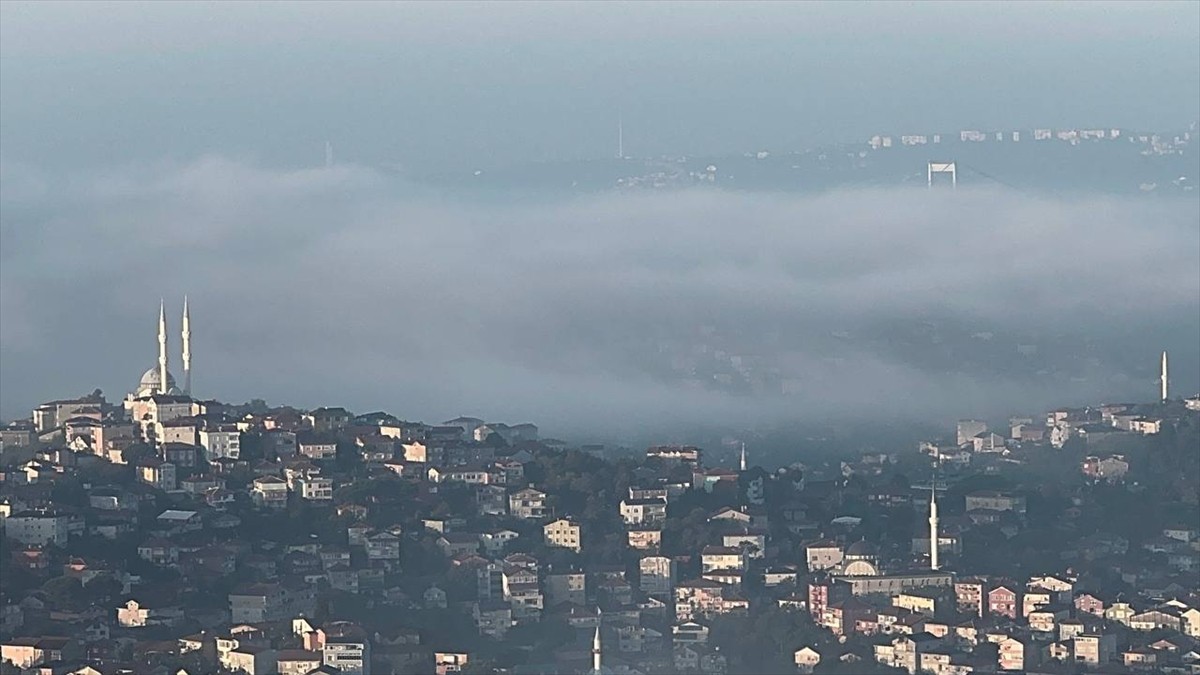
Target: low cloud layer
pixel 340 286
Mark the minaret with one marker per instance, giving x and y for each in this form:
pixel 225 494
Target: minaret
pixel 187 349
pixel 162 348
pixel 596 650
pixel 743 464
pixel 1162 379
pixel 620 138
pixel 933 526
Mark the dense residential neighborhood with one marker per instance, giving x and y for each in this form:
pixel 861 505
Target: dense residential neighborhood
pixel 168 534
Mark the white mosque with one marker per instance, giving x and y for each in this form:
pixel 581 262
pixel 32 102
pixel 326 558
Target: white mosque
pixel 158 380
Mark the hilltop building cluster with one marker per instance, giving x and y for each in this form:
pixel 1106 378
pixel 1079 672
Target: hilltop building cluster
pixel 169 534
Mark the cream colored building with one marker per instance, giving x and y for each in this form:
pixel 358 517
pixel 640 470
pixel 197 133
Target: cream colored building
pixel 563 533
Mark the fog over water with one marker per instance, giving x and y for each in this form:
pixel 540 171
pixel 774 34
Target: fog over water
pixel 148 150
pixel 343 286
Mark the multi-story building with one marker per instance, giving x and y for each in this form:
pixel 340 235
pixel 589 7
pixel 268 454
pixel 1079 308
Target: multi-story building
pixel 270 492
pixel 563 533
pixel 1004 600
pixel 257 603
pixel 657 574
pixel 990 500
pixel 969 595
pixel 40 527
pixel 315 446
pixel 527 503
pixel 644 538
pixel 721 558
pixel 221 442
pixel 566 587
pixel 644 511
pixel 157 474
pixel 315 488
pixel 346 648
pixel 823 555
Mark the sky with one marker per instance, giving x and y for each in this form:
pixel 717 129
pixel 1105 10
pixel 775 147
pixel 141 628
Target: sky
pixel 443 85
pixel 153 150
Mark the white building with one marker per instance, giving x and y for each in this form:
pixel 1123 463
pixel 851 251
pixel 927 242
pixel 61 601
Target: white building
pixel 315 488
pixel 223 442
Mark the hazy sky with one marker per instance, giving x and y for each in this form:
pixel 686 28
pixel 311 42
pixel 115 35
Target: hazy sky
pixel 152 150
pixel 448 84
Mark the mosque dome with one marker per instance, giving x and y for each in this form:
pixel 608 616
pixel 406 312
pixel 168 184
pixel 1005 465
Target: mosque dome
pixel 860 549
pixel 150 383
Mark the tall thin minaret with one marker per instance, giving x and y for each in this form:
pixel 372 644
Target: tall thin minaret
pixel 743 462
pixel 933 526
pixel 187 349
pixel 620 138
pixel 1162 379
pixel 162 347
pixel 596 650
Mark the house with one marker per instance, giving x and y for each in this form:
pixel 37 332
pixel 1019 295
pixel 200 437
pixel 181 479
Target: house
pixel 823 555
pixel 566 587
pixel 315 488
pixel 27 652
pixel 1094 648
pixel 991 500
pixel 643 511
pixel 1111 469
pixel 563 533
pixel 175 521
pixel 471 474
pixel 1016 653
pixel 721 558
pixel 905 651
pixel 256 603
pixel 270 492
pixel 316 447
pixel 689 632
pixel 327 419
pixel 297 661
pixel 753 544
pixel 493 618
pixel 134 615
pixel 159 551
pixel 458 543
pixel 1004 600
pixel 644 538
pixel 450 662
pixel 527 503
pixel 685 454
pixel 382 546
pixel 495 541
pixel 806 659
pixel 987 441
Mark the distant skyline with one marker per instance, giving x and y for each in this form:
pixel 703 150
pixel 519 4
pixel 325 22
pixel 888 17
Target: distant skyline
pixel 448 85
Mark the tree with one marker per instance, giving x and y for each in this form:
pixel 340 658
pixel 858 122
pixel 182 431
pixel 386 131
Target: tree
pixel 63 592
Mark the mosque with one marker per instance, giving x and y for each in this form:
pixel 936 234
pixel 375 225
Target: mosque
pixel 158 397
pixel 158 380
